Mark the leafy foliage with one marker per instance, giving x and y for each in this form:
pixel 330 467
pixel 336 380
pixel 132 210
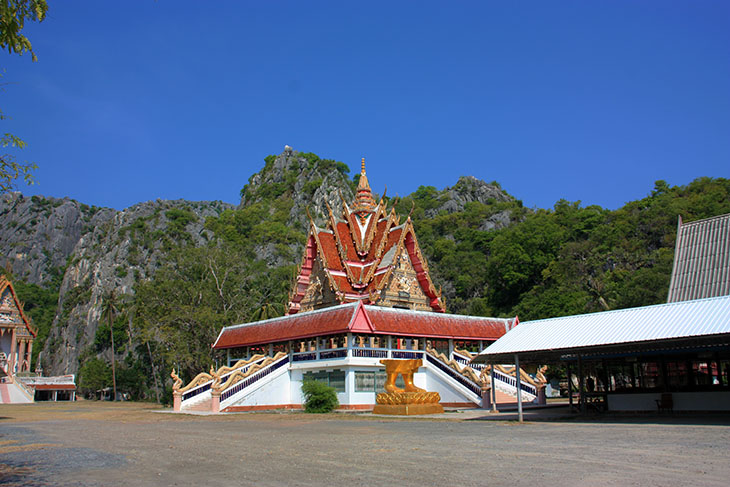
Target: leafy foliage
pixel 95 374
pixel 319 397
pixel 13 14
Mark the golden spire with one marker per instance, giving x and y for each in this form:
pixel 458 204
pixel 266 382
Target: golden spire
pixel 364 201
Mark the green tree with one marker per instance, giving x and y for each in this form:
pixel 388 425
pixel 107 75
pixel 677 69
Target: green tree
pixel 13 15
pixel 109 309
pixel 94 375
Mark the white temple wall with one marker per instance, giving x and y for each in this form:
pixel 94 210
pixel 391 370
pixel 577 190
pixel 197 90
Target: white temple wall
pixel 449 394
pixel 272 392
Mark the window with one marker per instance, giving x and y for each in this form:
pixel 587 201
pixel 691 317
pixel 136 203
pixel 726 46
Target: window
pixel 374 381
pixel 335 378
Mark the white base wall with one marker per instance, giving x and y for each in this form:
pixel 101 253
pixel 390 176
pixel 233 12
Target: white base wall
pixel 683 401
pixel 449 394
pixel 286 389
pixel 273 392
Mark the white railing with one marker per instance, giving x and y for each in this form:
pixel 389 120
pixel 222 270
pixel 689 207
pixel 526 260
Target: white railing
pixel 238 390
pixel 508 385
pixel 201 393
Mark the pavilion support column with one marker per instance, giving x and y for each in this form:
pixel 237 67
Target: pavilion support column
pixel 581 386
pixel 228 357
pixel 519 388
pixel 569 373
pixel 494 388
pixel 271 349
pixel 451 349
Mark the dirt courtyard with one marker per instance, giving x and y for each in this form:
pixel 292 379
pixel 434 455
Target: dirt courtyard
pixel 94 444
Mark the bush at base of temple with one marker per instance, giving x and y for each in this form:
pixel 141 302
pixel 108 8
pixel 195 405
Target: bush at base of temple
pixel 319 397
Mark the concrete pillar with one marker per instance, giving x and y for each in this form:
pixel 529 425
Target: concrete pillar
pixel 13 359
pixel 493 389
pixel 541 397
pixel 215 403
pixel 451 348
pixel 486 396
pixel 30 355
pixel 519 387
pixel 21 354
pixel 176 401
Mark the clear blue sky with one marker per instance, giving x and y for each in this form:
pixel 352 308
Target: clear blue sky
pixel 582 100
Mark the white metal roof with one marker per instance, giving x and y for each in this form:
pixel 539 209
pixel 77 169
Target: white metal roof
pixel 709 316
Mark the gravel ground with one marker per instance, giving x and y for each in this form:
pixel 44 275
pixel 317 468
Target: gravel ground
pixel 91 444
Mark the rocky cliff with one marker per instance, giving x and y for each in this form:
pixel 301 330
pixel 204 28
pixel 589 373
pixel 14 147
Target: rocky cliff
pixel 98 250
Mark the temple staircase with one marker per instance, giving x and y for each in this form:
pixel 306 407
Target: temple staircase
pixel 219 389
pixel 14 392
pixel 471 379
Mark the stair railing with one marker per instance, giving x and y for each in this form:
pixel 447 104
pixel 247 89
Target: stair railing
pixel 238 380
pixel 464 375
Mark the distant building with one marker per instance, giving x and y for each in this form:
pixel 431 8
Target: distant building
pixel 17 383
pixel 701 260
pixel 16 332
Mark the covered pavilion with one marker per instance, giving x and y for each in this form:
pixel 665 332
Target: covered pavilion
pixel 673 356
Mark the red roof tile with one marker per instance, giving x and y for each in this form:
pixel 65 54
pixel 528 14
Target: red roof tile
pixel 342 318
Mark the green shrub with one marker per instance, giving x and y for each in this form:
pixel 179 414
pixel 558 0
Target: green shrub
pixel 319 397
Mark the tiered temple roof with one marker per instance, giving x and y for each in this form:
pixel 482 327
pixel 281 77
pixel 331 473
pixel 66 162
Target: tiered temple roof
pixel 365 254
pixel 358 318
pixel 11 311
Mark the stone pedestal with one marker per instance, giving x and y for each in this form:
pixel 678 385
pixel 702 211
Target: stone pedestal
pixel 408 409
pixel 409 401
pixel 541 397
pixel 486 398
pixel 176 401
pixel 215 401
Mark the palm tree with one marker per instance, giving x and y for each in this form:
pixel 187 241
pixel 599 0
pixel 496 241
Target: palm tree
pixel 109 308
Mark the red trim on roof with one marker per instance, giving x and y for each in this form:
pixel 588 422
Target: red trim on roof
pixel 358 318
pixel 55 387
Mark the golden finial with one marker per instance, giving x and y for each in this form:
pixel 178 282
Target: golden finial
pixel 362 166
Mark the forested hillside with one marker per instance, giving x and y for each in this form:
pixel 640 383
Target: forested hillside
pixel 177 272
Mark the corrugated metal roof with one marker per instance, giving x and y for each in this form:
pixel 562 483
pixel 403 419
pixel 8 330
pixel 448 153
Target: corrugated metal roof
pixel 709 316
pixel 701 259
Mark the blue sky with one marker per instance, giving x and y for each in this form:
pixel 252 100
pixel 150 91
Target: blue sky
pixel 591 101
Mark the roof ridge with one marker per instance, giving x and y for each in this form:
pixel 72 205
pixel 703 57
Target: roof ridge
pixel 705 220
pixel 432 313
pixel 278 318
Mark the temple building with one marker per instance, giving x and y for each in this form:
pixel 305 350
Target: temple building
pixel 16 332
pixel 363 293
pixel 17 383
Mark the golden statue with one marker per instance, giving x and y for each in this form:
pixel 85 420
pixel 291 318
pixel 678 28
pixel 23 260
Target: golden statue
pixel 411 399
